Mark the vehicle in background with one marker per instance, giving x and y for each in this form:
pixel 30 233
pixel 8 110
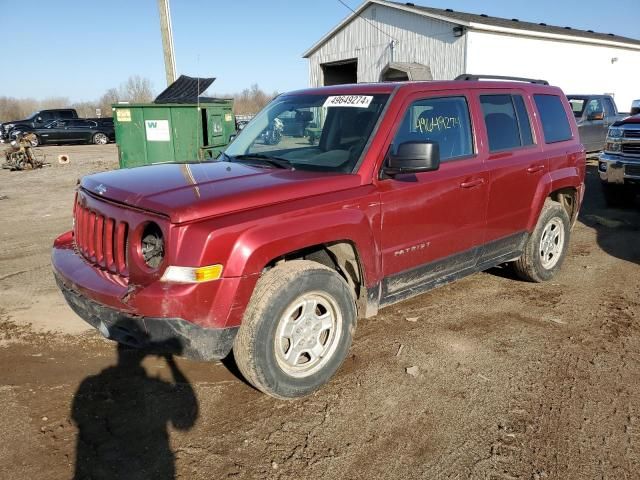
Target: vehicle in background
pixel 277 250
pixel 594 114
pixel 619 164
pixel 635 107
pixel 35 120
pixel 77 130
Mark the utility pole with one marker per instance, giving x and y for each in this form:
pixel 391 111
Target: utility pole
pixel 167 41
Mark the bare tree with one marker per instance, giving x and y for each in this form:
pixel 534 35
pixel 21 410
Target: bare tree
pixel 137 89
pixel 109 98
pixel 250 100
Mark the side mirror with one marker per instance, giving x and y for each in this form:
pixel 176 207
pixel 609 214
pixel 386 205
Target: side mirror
pixel 39 119
pixel 596 116
pixel 413 157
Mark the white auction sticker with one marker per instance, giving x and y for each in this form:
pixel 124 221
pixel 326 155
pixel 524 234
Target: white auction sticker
pixel 358 101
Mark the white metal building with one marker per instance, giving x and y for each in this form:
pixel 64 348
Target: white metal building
pixel 386 40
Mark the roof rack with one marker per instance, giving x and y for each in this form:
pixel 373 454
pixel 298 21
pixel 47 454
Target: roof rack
pixel 469 77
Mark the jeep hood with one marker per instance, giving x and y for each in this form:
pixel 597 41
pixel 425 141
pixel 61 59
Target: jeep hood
pixel 190 191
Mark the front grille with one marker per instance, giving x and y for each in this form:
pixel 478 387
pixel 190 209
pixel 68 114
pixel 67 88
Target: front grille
pixel 632 148
pixel 101 240
pixel 632 170
pixel 632 133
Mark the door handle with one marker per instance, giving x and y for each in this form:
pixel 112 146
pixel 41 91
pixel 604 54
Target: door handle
pixel 472 183
pixel 535 168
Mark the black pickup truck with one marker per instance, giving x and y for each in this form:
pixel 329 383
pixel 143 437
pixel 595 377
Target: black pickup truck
pixel 35 120
pixel 594 115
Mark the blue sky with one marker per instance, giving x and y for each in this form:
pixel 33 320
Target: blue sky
pixel 79 49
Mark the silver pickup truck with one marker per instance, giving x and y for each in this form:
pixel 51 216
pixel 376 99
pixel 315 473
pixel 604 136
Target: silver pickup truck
pixel 619 164
pixel 594 115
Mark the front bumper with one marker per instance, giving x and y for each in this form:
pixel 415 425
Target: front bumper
pixel 619 169
pixel 165 335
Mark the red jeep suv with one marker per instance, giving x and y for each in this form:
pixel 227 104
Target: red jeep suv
pixel 370 195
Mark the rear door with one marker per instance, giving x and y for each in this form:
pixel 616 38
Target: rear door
pixel 516 164
pixel 79 130
pixel 433 222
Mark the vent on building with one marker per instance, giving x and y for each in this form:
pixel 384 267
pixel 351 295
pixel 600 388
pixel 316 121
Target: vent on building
pixel 515 20
pixel 543 24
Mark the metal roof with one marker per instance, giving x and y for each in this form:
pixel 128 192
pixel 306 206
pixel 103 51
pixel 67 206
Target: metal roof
pixel 518 24
pixel 486 22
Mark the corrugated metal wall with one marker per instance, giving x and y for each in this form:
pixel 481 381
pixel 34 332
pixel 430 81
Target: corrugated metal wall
pixel 418 39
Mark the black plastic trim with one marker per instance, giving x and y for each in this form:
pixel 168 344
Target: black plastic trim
pixel 169 335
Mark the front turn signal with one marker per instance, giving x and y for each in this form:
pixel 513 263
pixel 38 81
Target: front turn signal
pixel 192 274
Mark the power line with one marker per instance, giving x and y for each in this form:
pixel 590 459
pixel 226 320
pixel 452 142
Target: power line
pixel 366 20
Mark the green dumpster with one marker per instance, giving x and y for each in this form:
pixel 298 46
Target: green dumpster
pixel 172 132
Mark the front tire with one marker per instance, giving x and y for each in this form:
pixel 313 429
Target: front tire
pixel 297 329
pixel 547 246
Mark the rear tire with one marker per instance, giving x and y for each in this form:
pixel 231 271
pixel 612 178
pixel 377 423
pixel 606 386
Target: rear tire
pixel 297 329
pixel 547 246
pixel 100 139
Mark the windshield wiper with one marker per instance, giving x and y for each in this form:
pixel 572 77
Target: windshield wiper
pixel 278 162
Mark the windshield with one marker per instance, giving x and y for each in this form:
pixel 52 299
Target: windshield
pixel 577 105
pixel 310 132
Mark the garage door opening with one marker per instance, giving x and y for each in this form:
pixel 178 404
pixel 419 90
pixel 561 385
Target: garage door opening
pixel 338 73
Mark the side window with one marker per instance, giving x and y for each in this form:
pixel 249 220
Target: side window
pixel 523 120
pixel 594 107
pixel 609 109
pixel 444 120
pixel 65 114
pixel 46 116
pixel 507 121
pixel 555 124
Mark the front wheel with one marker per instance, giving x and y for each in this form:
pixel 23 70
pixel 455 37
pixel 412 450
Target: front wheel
pixel 100 139
pixel 297 329
pixel 547 246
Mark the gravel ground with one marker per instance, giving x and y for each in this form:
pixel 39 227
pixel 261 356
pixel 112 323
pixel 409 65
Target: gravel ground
pixel 507 379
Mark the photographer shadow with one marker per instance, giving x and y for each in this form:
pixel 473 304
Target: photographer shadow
pixel 123 415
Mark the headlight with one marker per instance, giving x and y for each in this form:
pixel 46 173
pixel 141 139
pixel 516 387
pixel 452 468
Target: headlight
pixel 192 274
pixel 612 147
pixel 8 126
pixel 615 132
pixel 152 245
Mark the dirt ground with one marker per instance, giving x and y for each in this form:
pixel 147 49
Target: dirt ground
pixel 514 380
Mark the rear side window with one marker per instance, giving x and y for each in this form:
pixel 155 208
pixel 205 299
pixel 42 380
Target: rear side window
pixel 444 120
pixel 65 114
pixel 507 121
pixel 555 124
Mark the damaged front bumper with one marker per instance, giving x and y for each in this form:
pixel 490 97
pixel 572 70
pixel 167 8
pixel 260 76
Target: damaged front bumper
pixel 197 321
pixel 169 335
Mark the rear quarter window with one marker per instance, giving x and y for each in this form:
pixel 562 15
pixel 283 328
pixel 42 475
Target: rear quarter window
pixel 555 124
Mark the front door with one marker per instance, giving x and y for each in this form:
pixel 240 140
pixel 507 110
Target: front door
pixel 433 222
pixel 592 129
